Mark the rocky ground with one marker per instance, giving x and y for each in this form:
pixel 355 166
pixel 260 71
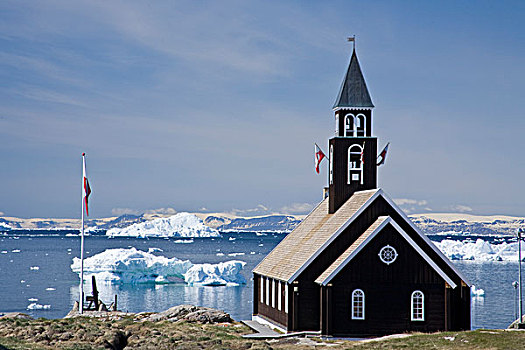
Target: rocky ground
pixel 192 327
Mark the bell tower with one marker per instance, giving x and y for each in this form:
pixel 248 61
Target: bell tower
pixel 353 149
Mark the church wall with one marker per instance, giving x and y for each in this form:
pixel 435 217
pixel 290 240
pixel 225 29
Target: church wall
pixel 269 308
pixel 308 306
pixel 387 289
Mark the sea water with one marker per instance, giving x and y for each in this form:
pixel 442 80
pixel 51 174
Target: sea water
pixel 36 277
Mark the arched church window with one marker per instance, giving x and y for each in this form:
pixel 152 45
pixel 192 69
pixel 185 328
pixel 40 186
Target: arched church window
pixel 360 125
pixel 331 164
pixel 355 164
pixel 349 125
pixel 358 305
pixel 337 125
pixel 417 306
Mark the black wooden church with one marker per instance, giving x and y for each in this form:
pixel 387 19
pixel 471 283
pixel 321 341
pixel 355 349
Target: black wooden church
pixel 357 265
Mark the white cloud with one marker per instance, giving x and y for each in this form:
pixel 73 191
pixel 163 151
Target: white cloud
pixel 258 210
pixel 297 208
pixel 124 211
pixel 461 208
pixel 162 211
pixel 405 201
pixel 411 206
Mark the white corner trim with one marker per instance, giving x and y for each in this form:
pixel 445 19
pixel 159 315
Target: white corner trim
pixel 405 235
pixel 336 234
pixel 425 238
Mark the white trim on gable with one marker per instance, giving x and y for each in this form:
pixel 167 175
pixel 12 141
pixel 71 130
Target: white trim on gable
pixel 336 234
pixel 379 192
pixel 425 238
pixel 405 235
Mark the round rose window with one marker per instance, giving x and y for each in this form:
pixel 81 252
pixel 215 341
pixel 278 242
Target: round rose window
pixel 387 254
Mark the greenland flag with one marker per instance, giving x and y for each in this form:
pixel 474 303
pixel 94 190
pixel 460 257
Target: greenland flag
pixel 319 156
pixel 86 190
pixel 382 156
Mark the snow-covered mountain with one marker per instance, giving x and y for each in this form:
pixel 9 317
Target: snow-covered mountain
pixel 272 223
pixel 429 223
pixel 467 224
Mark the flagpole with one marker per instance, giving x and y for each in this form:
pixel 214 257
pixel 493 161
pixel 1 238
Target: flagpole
pixel 81 297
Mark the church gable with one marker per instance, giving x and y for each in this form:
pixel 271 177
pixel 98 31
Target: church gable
pixel 386 253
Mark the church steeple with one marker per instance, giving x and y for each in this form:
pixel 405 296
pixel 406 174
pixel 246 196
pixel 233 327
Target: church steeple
pixel 353 149
pixel 353 92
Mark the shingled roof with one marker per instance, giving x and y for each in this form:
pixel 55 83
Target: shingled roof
pixel 353 92
pixel 309 238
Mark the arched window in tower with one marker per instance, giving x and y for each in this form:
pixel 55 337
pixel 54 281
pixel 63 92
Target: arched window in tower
pixel 337 124
pixel 360 125
pixel 355 164
pixel 331 164
pixel 349 125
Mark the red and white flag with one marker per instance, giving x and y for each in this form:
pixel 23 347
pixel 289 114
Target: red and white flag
pixel 382 156
pixel 319 156
pixel 86 190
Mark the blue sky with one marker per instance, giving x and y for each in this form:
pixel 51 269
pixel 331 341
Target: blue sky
pixel 216 105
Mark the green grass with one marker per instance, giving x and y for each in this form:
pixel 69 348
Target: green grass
pixel 89 334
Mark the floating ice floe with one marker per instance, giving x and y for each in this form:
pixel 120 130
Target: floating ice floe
pixel 178 225
pixel 475 292
pixel 34 268
pixel 15 251
pixel 35 306
pixel 4 251
pixel 479 251
pixel 32 299
pixel 236 254
pixel 50 289
pixel 184 241
pixel 135 266
pixel 153 250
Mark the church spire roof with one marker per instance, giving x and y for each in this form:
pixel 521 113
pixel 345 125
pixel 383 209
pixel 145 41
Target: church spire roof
pixel 353 92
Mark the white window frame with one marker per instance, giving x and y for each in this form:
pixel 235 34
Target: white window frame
pixel 331 164
pixel 268 291
pixel 414 314
pixel 394 255
pixel 286 298
pixel 351 130
pixel 337 124
pixel 273 294
pixel 355 316
pixel 362 126
pixel 351 166
pixel 279 295
pixel 262 289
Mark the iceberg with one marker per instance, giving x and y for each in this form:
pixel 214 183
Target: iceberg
pixel 178 225
pixel 132 266
pixel 480 250
pixel 35 306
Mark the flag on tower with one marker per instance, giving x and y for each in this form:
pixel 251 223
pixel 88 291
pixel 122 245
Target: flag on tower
pixel 319 156
pixel 86 189
pixel 382 156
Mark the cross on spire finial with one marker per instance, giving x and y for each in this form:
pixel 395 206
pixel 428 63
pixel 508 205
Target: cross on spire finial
pixel 352 40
